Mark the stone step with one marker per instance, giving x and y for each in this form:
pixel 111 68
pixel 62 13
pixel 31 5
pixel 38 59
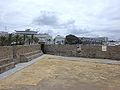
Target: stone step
pixel 34 56
pixel 24 58
pixel 5 61
pixel 7 67
pixel 32 53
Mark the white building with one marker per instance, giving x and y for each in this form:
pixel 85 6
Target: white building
pixel 26 32
pixel 59 40
pixel 44 38
pixel 91 40
pixel 113 43
pixel 2 33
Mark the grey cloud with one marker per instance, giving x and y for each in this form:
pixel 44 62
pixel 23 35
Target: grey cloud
pixel 67 24
pixel 46 18
pixel 112 12
pixel 112 16
pixel 102 16
pixel 52 20
pixel 77 30
pixel 107 32
pixel 111 31
pixel 74 29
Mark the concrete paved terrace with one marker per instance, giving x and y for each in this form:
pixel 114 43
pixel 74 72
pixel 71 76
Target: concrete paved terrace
pixel 65 73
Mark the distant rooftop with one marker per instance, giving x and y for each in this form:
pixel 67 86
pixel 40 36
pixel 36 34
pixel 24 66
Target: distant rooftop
pixel 27 31
pixel 2 33
pixel 59 37
pixel 43 34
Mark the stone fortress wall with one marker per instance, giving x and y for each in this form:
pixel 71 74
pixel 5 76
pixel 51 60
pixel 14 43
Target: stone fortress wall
pixel 88 51
pixel 112 52
pixel 11 55
pixel 9 51
pixel 6 52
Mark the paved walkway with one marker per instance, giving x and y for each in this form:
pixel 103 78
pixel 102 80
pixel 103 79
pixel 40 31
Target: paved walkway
pixel 50 72
pixel 94 60
pixel 19 67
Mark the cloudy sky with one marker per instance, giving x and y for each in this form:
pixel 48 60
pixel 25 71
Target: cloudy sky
pixel 94 18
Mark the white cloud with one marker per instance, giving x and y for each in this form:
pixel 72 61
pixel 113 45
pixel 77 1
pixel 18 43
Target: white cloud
pixel 86 17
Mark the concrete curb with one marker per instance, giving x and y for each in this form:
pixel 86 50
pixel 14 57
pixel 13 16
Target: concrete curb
pixel 19 67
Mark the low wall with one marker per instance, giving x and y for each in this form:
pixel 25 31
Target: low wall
pixel 25 49
pixel 10 55
pixel 15 51
pixel 6 52
pixel 65 50
pixel 89 51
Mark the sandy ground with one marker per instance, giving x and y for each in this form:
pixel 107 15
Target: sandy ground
pixel 55 73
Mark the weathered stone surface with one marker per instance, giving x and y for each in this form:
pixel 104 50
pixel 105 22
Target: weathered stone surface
pixel 10 55
pixel 29 56
pixel 6 67
pixel 89 51
pixel 25 49
pixel 6 52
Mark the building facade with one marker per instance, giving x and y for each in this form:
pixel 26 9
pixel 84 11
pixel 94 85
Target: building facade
pixel 28 36
pixel 44 38
pixel 4 33
pixel 97 40
pixel 113 43
pixel 26 32
pixel 59 40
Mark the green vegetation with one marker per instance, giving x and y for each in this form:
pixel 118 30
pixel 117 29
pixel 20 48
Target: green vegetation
pixel 72 39
pixel 17 39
